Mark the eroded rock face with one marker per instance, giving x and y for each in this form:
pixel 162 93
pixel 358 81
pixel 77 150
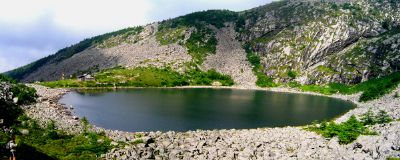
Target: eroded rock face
pixel 344 41
pixel 230 58
pixel 146 52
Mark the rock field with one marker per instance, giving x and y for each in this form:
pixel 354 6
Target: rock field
pixel 260 143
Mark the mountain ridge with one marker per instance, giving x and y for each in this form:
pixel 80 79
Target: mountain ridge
pixel 307 42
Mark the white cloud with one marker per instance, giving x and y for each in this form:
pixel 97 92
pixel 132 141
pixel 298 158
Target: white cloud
pixel 80 16
pixel 100 15
pixel 30 29
pixel 4 64
pixel 22 12
pixel 15 56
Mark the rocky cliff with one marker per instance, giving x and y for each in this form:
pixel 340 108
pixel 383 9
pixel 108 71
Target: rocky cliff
pixel 306 41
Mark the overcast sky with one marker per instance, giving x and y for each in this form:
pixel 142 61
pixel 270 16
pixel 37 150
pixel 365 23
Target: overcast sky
pixel 32 29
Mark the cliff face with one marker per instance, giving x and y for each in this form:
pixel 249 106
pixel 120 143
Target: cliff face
pixel 325 41
pixel 307 41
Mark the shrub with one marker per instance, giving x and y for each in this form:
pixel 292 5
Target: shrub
pixel 24 94
pixel 292 74
pixel 368 118
pixel 85 123
pixel 346 132
pixel 383 117
pixel 4 78
pixel 265 81
pixel 57 145
pixel 254 59
pixel 262 79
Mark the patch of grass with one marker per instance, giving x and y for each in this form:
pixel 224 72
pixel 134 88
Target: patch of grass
pixel 371 89
pixel 58 145
pixel 369 118
pixel 169 35
pixel 346 132
pixel 146 77
pixel 326 70
pixel 198 77
pixel 125 36
pixel 201 43
pixel 138 141
pixel 262 79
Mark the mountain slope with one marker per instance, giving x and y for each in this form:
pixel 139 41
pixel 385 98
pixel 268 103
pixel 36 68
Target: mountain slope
pixel 309 42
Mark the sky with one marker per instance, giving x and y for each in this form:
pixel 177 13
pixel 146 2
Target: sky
pixel 33 29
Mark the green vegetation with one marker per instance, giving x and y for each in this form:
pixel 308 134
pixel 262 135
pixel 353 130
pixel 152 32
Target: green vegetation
pixel 169 35
pixel 265 81
pixel 292 74
pixel 56 144
pixel 372 89
pixel 346 132
pixel 202 40
pixel 116 38
pixel 138 141
pixel 201 43
pixel 35 142
pixel 369 118
pixel 146 77
pixel 4 78
pixel 262 79
pixel 216 18
pixel 326 70
pixel 68 52
pixel 26 95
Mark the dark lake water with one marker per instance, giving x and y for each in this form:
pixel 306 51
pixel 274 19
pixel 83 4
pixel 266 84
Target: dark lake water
pixel 153 109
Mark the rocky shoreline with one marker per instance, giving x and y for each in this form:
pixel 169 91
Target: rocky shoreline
pixel 261 143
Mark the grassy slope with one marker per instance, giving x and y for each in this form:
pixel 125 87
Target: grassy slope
pixel 371 89
pixel 202 40
pixel 146 77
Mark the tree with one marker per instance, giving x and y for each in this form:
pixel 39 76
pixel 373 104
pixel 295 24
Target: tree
pixel 383 117
pixel 368 118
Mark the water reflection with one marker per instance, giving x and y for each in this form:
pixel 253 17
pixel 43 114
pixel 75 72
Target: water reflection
pixel 189 109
